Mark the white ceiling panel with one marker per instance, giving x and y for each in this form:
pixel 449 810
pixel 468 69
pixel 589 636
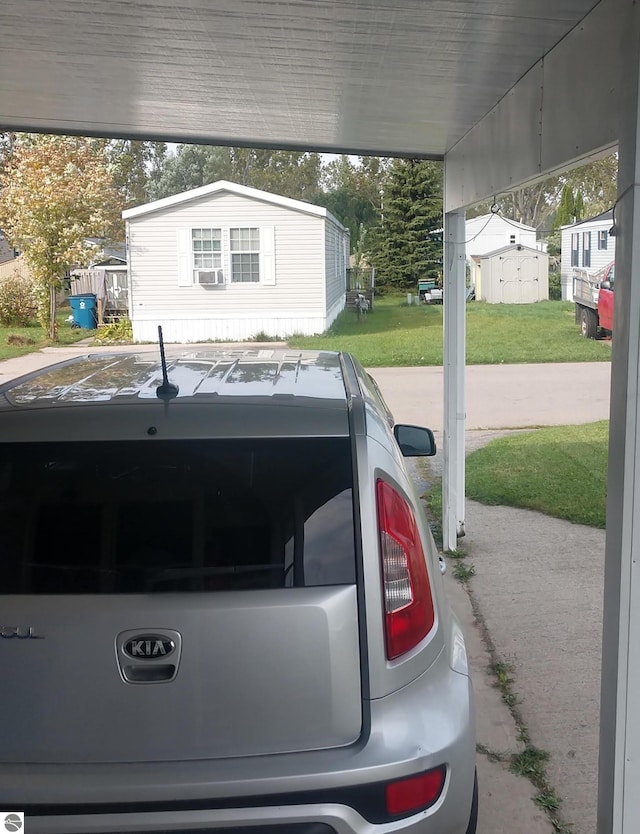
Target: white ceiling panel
pixel 380 76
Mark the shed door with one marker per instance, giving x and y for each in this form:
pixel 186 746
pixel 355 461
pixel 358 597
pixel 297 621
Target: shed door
pixel 509 280
pixel 529 285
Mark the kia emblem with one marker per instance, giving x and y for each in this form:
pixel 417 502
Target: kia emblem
pixel 148 647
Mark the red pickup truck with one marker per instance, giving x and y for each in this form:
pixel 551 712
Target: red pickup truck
pixel 593 296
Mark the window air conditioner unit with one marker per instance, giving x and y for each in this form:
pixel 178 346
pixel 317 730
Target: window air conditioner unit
pixel 211 277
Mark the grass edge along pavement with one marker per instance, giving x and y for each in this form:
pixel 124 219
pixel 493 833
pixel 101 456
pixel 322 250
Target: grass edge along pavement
pixel 530 762
pixel 396 334
pixel 560 471
pixel 18 341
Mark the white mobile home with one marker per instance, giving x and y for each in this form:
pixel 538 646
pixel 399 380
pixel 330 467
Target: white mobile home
pixel 492 231
pixel 228 262
pixel 588 245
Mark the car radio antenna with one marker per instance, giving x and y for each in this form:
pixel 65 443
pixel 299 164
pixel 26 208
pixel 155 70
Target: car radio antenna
pixel 167 391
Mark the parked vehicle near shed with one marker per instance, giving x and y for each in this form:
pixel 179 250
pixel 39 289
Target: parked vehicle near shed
pixel 222 608
pixel 429 291
pixel 593 296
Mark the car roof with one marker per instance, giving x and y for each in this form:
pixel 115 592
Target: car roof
pixel 307 376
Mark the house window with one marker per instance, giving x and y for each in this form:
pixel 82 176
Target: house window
pixel 586 249
pixel 603 239
pixel 575 247
pixel 244 245
pixel 512 238
pixel 206 246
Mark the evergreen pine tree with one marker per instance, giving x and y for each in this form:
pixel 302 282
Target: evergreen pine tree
pixel 566 209
pixel 407 245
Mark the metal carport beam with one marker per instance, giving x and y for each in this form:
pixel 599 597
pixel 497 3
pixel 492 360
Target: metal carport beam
pixel 582 98
pixel 561 113
pixel 619 771
pixel 454 299
pixel 546 123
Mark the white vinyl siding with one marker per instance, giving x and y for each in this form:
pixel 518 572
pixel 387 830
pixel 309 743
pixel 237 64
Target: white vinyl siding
pixel 572 249
pixel 490 232
pixel 336 241
pixel 291 295
pixel 573 254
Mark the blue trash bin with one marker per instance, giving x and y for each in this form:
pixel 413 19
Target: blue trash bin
pixel 83 308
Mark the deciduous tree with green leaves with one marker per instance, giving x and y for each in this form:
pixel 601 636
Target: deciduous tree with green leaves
pixel 353 189
pixel 55 192
pixel 135 165
pixel 597 183
pixel 192 166
pixel 290 173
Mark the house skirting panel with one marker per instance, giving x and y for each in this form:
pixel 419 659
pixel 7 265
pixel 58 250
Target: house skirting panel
pixel 184 330
pixel 334 312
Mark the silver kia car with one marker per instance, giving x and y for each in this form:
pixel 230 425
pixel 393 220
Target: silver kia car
pixel 221 608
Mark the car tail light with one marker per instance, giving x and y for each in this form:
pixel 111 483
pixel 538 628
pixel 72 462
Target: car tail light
pixel 409 614
pixel 415 793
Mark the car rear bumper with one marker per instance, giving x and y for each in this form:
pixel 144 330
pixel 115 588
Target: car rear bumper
pixel 427 724
pixel 329 819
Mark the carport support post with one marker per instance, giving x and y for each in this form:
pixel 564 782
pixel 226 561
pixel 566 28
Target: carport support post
pixel 619 797
pixel 454 299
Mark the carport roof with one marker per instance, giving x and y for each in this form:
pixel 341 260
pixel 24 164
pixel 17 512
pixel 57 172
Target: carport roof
pixel 373 76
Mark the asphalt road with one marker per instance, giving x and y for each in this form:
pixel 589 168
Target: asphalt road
pixel 502 396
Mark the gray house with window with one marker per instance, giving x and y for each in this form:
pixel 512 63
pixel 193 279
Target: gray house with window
pixel 7 252
pixel 227 262
pixel 585 245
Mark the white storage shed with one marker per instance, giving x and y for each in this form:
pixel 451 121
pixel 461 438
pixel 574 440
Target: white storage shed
pixel 228 262
pixel 513 275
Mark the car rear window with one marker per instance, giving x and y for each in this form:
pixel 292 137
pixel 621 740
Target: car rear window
pixel 169 516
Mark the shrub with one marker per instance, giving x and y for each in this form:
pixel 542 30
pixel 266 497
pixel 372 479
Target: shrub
pixel 555 287
pixel 119 331
pixel 18 301
pixel 17 340
pixel 261 336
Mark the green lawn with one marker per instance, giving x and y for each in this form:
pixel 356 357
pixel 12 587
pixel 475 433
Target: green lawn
pixel 397 334
pixel 560 471
pixel 28 339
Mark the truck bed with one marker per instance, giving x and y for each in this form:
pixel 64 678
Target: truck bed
pixel 586 287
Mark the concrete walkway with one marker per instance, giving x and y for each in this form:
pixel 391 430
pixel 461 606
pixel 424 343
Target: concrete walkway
pixel 538 586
